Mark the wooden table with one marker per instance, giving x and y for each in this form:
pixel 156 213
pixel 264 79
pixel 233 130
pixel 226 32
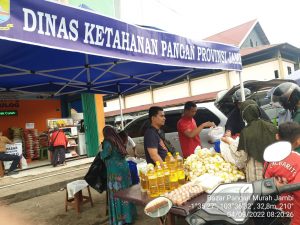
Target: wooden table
pixel 134 195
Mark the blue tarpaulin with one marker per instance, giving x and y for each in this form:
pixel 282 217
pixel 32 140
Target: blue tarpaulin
pixel 54 49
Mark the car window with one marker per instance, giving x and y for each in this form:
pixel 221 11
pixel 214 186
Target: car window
pixel 171 122
pixel 138 127
pixel 203 115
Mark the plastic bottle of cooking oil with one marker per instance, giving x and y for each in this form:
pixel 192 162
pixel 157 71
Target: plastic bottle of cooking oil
pixel 167 176
pixel 172 162
pixel 173 173
pixel 179 159
pixel 180 169
pixel 152 182
pixel 143 179
pixel 160 178
pixel 167 159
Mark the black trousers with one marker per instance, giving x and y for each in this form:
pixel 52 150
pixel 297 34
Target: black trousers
pixel 8 157
pixel 58 155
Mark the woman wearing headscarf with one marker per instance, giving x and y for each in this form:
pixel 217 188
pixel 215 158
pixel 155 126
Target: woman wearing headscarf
pixel 118 177
pixel 254 138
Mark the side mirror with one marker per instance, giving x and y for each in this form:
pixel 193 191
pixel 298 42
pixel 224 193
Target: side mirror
pixel 158 207
pixel 278 151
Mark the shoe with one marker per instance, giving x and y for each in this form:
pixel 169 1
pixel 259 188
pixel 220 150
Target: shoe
pixel 12 173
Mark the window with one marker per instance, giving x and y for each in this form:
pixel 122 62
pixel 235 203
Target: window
pixel 276 74
pixel 251 43
pixel 171 121
pixel 289 69
pixel 138 127
pixel 203 115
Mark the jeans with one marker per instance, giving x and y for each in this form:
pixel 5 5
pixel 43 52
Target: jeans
pixel 58 155
pixel 8 157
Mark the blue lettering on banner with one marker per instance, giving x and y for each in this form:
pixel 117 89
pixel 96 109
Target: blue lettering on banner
pixel 58 26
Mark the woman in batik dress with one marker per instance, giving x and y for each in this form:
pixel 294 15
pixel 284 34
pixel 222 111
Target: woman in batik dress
pixel 118 177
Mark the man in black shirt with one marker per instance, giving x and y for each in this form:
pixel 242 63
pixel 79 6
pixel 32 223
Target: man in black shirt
pixel 155 149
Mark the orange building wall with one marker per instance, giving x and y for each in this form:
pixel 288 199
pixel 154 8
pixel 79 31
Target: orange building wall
pixel 30 111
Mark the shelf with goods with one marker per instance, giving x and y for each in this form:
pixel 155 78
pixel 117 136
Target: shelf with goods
pixel 70 127
pixel 72 136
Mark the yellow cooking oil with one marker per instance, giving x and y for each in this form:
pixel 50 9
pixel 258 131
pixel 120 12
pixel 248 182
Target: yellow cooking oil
pixel 160 178
pixel 181 175
pixel 172 163
pixel 179 159
pixel 180 169
pixel 152 183
pixel 167 159
pixel 173 179
pixel 143 180
pixel 167 176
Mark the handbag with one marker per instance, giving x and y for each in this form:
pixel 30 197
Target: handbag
pixel 51 146
pixel 96 176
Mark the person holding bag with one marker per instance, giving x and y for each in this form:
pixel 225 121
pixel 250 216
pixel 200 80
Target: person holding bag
pixel 59 142
pixel 118 177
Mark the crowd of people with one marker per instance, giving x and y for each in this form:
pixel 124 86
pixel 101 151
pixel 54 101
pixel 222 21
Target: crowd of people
pixel 248 122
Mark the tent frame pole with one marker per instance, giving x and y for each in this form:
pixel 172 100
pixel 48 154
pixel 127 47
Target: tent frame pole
pixel 28 86
pixel 182 75
pixel 154 75
pixel 121 111
pixel 67 84
pixel 104 91
pixel 102 74
pixel 242 86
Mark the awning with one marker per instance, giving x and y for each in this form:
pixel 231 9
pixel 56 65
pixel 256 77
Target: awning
pixel 53 49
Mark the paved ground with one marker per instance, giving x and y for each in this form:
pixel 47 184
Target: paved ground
pixel 40 181
pixel 37 196
pixel 49 210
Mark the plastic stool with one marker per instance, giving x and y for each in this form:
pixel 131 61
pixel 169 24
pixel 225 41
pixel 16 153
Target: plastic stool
pixel 2 169
pixel 44 153
pixel 78 199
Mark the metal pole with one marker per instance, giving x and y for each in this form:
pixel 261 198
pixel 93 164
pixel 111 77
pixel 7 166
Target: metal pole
pixel 241 86
pixel 121 111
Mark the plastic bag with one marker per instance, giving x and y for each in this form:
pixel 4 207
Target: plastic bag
pixel 208 182
pixel 230 153
pixel 23 163
pixel 215 134
pixel 133 172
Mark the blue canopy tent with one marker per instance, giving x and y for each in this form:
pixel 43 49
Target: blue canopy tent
pixel 51 50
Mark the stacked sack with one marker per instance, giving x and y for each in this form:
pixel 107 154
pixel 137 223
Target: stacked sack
pixel 31 143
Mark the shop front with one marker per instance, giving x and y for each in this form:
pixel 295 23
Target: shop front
pixel 29 123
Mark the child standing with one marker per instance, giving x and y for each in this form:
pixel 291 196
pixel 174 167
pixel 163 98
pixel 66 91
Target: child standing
pixel 287 170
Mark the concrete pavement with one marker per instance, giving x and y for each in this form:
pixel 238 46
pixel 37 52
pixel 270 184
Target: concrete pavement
pixel 42 180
